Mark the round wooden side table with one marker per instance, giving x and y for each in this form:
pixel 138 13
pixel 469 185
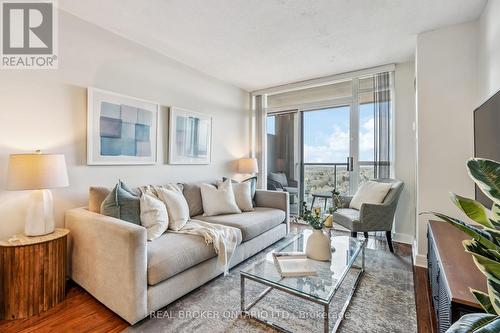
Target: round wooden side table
pixel 32 274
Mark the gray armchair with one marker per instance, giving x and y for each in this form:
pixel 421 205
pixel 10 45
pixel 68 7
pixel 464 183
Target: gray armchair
pixel 371 217
pixel 278 181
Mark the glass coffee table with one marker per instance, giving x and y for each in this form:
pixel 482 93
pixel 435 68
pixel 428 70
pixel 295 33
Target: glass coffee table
pixel 320 289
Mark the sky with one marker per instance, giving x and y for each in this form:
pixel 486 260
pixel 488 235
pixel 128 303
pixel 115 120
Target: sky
pixel 326 135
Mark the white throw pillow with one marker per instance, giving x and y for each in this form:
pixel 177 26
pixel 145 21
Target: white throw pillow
pixel 154 216
pixel 242 195
pixel 370 192
pixel 217 201
pixel 177 207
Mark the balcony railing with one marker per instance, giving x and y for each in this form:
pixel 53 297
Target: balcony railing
pixel 322 178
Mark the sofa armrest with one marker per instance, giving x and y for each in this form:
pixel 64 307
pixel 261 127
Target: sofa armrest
pixel 108 258
pixel 378 217
pixel 274 199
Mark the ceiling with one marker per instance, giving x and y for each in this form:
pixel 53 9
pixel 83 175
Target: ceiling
pixel 255 44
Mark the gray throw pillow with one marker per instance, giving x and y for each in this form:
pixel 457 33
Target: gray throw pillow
pixel 122 203
pixel 192 193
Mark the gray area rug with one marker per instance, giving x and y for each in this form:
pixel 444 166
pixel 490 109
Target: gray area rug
pixel 384 302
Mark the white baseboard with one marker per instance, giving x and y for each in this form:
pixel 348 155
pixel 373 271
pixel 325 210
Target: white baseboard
pixel 403 238
pixel 420 260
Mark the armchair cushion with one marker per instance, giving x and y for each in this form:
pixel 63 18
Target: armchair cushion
pixel 346 217
pixel 370 193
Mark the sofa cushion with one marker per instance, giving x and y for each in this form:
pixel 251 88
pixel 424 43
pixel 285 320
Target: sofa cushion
pixel 251 224
pixel 173 253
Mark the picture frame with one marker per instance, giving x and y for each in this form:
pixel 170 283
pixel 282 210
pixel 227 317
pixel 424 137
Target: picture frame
pixel 121 130
pixel 190 137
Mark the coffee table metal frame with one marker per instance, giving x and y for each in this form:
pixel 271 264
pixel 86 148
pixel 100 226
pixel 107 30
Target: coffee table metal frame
pixel 325 303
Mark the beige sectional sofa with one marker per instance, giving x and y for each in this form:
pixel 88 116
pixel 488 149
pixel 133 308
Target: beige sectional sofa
pixel 114 262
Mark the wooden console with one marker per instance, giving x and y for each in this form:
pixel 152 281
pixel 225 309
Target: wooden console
pixel 451 273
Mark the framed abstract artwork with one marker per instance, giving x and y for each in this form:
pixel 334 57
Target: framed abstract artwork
pixel 120 129
pixel 190 137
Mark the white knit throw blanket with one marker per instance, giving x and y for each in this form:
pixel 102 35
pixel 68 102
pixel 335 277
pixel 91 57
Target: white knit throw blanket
pixel 223 238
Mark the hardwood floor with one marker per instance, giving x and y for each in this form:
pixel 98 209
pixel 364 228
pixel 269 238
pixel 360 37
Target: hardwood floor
pixel 425 310
pixel 80 312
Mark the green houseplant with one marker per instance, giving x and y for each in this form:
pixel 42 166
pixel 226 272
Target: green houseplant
pixel 312 217
pixel 484 245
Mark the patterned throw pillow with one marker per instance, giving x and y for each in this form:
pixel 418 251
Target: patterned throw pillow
pixel 122 203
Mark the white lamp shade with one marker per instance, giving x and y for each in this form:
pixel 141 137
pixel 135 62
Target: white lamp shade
pixel 37 171
pixel 248 165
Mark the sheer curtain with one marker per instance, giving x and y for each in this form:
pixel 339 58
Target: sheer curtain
pixel 382 125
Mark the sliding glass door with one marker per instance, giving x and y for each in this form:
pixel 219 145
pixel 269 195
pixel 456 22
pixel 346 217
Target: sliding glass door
pixel 326 151
pixel 329 137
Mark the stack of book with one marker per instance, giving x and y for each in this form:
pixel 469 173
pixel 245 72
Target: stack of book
pixel 293 264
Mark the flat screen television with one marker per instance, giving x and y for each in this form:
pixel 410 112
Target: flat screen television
pixel 487 136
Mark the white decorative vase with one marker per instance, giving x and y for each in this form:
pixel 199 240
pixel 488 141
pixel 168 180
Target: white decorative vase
pixel 318 246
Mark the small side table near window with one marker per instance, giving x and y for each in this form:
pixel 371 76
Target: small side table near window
pixel 32 274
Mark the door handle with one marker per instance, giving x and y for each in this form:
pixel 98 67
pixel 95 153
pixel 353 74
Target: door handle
pixel 350 163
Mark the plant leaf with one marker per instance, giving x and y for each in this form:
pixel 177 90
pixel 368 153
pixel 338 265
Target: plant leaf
pixel 494 293
pixel 490 268
pixel 476 323
pixel 484 300
pixel 480 235
pixel 495 254
pixel 495 215
pixel 472 246
pixel 494 233
pixel 486 174
pixel 473 209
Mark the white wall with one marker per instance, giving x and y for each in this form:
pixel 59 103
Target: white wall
pixel 405 151
pixel 46 109
pixel 446 63
pixel 489 51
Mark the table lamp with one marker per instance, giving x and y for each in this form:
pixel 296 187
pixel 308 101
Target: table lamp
pixel 248 165
pixel 38 172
